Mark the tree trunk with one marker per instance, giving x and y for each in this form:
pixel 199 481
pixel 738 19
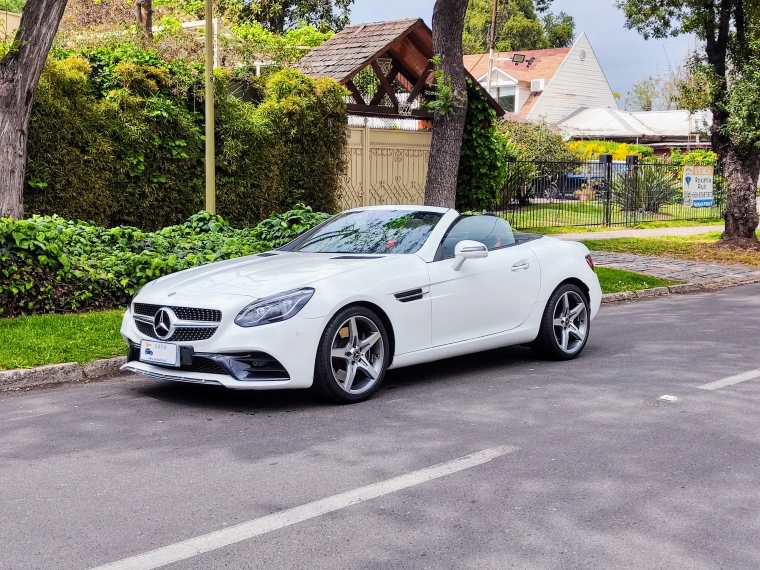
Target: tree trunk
pixel 441 183
pixel 20 72
pixel 144 13
pixel 742 169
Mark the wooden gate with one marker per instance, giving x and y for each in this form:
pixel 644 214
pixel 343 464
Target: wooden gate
pixel 385 166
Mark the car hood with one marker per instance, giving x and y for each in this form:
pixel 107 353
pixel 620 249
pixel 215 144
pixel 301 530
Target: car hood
pixel 254 276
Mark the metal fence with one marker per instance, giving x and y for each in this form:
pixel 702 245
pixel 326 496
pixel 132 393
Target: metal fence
pixel 595 193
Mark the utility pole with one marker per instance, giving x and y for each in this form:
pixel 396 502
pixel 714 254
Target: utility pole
pixel 491 44
pixel 210 151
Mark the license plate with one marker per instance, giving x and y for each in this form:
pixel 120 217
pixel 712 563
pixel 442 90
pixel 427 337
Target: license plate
pixel 159 353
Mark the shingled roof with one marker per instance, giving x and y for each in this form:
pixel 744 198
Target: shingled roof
pixel 408 43
pixel 349 51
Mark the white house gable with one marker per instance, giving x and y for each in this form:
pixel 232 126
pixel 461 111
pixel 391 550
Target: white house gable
pixel 579 82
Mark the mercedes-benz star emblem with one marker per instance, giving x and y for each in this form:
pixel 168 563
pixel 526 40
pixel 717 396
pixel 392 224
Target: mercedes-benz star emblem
pixel 163 323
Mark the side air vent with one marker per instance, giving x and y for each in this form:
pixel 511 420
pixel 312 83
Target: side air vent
pixel 356 257
pixel 406 296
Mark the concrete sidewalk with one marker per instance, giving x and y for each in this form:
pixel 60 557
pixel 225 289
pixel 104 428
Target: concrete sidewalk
pixel 634 233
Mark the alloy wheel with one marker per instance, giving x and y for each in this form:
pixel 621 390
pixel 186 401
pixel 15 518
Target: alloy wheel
pixel 357 355
pixel 570 322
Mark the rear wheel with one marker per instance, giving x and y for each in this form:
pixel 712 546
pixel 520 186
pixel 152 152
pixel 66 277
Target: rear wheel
pixel 565 325
pixel 352 356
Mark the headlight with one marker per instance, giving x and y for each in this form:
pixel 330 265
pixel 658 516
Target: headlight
pixel 275 308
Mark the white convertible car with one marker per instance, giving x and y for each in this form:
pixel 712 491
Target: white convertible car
pixel 368 290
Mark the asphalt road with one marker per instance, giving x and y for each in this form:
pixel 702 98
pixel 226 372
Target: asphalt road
pixel 599 473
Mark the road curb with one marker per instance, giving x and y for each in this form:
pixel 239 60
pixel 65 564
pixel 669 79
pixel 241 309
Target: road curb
pixel 55 374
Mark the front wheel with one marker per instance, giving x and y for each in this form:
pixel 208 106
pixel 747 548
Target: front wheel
pixel 352 357
pixel 565 325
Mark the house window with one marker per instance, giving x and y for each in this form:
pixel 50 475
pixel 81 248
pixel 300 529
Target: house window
pixel 505 96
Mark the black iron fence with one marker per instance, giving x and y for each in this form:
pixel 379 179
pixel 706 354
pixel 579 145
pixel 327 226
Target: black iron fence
pixel 605 192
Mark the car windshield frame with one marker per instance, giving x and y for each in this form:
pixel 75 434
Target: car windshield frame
pixel 391 236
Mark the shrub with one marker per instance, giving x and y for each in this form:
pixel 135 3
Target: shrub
pixel 536 141
pixel 647 188
pixel 116 137
pixel 49 264
pixel 590 150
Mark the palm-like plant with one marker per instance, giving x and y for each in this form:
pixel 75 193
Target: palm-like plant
pixel 647 187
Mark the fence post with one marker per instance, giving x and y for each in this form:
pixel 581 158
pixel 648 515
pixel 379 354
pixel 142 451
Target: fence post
pixel 632 189
pixel 606 161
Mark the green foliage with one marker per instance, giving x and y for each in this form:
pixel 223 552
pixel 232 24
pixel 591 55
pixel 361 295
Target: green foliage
pixel 590 150
pixel 49 264
pixel 252 39
pixel 281 15
pixel 444 100
pixel 482 163
pixel 536 141
pixel 15 6
pixel 116 137
pixel 559 29
pixel 695 157
pixel 518 26
pixel 646 188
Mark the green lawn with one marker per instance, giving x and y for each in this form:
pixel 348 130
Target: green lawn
pixel 52 339
pixel 640 226
pixel 617 280
pixel 694 247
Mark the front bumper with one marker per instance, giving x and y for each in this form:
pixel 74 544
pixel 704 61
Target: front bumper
pixel 275 356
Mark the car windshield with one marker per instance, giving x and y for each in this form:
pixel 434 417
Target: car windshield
pixel 373 232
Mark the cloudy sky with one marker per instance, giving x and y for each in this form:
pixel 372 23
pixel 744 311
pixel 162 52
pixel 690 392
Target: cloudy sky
pixel 625 57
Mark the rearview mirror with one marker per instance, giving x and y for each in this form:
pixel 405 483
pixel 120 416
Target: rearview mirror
pixel 468 249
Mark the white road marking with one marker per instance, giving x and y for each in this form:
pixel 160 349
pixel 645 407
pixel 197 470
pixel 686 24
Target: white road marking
pixel 731 380
pixel 244 531
pixel 26 417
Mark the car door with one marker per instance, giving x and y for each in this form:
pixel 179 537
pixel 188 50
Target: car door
pixel 485 296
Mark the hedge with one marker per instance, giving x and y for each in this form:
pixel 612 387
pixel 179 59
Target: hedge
pixel 116 138
pixel 50 264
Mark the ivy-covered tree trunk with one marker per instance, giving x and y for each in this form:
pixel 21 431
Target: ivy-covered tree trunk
pixel 20 72
pixel 448 123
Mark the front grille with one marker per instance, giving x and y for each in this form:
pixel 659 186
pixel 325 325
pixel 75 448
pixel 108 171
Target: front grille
pixel 205 366
pixel 184 313
pixel 184 334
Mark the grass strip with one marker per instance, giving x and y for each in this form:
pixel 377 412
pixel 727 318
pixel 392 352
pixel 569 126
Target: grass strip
pixel 617 280
pixel 639 226
pixel 52 339
pixel 694 248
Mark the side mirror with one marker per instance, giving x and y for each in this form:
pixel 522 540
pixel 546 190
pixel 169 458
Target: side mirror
pixel 468 249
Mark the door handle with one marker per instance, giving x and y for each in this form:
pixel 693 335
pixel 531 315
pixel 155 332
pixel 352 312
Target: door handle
pixel 520 265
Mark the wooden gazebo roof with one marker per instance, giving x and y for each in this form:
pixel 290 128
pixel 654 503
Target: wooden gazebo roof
pixel 407 44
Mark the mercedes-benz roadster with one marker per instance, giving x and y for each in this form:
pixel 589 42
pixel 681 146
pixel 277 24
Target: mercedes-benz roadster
pixel 368 290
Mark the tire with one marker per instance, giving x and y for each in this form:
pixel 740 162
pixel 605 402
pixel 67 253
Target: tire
pixel 352 357
pixel 551 193
pixel 565 325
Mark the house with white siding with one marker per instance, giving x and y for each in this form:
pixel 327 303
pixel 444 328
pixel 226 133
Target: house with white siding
pixel 549 85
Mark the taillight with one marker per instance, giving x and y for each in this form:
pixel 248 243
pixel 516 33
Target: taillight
pixel 590 262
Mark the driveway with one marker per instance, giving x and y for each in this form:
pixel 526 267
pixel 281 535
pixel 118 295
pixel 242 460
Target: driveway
pixel 575 465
